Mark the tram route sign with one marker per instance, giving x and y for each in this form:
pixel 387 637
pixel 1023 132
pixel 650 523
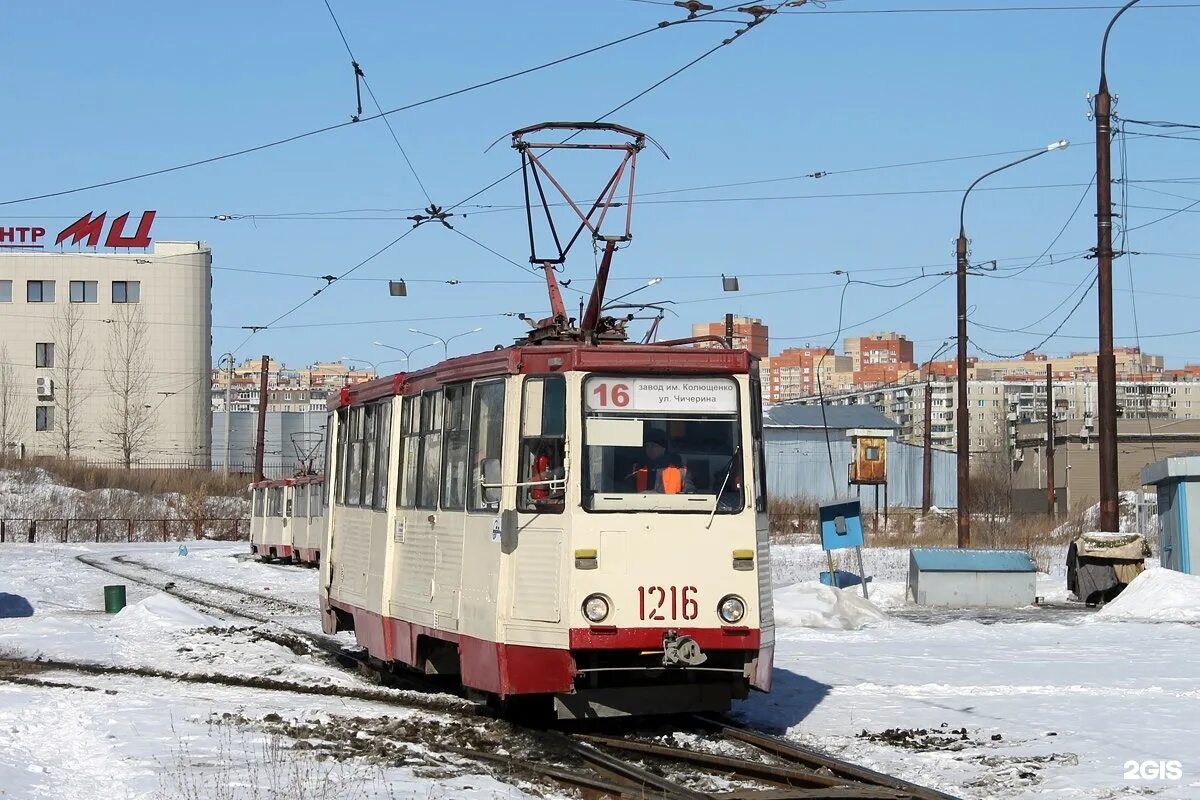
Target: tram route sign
pixel 642 395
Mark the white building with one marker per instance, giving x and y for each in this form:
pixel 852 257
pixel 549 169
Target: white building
pixel 105 353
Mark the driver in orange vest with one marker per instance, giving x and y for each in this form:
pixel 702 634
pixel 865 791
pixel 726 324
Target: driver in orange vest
pixel 662 471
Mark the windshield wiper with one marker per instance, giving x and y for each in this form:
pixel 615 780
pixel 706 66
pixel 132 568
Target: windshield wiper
pixel 724 483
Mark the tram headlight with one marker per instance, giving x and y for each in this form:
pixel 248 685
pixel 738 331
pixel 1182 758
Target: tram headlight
pixel 731 609
pixel 595 608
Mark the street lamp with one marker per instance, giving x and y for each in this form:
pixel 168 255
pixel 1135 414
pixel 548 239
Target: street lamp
pixel 374 366
pixel 445 342
pixel 963 414
pixel 1106 365
pixel 407 353
pixel 647 285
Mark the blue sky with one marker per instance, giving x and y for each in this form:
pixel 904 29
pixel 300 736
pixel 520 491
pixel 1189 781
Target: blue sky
pixel 92 94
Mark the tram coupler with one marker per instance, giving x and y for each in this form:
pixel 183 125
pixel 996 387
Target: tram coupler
pixel 681 651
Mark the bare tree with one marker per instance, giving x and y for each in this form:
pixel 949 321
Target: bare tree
pixel 72 359
pixel 12 413
pixel 131 419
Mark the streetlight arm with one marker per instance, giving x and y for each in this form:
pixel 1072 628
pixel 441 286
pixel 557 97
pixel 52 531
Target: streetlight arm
pixel 406 353
pixel 1104 44
pixel 430 335
pixel 962 210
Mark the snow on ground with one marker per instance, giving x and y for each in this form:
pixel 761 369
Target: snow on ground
pixel 1035 703
pixel 1040 709
pixel 1161 595
pixel 140 737
pixel 33 493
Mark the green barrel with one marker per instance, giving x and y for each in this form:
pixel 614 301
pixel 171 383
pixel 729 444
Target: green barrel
pixel 114 598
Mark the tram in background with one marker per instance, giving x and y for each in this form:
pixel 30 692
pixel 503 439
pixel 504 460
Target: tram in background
pixel 287 519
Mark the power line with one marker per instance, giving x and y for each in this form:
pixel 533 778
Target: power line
pixel 337 126
pixel 359 74
pixel 983 9
pixel 749 26
pixel 724 43
pixel 1048 337
pixel 891 310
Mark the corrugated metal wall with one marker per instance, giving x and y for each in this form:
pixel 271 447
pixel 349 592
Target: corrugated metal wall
pixel 798 466
pixel 280 460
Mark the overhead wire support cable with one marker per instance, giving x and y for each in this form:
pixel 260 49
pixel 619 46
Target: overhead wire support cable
pixel 360 77
pixel 436 212
pixel 347 123
pixel 758 18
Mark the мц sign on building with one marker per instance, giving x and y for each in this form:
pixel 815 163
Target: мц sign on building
pixel 105 353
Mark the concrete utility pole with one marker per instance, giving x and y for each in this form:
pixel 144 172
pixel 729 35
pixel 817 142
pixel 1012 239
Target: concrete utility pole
pixel 962 415
pixel 260 442
pixel 1050 506
pixel 927 468
pixel 228 408
pixel 1106 363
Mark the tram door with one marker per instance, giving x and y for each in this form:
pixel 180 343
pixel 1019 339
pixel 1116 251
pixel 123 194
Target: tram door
pixel 537 556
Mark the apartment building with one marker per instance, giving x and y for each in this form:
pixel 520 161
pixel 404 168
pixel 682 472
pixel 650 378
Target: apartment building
pixel 748 332
pixel 794 373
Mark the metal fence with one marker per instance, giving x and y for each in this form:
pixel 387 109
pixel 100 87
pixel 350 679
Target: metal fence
pixel 117 529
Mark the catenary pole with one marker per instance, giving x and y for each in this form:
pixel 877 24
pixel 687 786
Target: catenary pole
pixel 927 467
pixel 260 442
pixel 1106 364
pixel 1050 506
pixel 228 408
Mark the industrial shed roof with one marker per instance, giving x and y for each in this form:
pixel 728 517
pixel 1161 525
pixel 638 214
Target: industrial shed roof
pixel 936 559
pixel 839 417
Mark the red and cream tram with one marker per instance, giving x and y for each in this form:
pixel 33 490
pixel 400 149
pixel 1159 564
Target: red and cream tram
pixel 581 522
pixel 574 517
pixel 287 519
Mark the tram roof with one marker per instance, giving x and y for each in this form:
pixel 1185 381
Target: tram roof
pixel 548 359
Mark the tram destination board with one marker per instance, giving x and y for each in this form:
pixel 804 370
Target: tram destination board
pixel 712 395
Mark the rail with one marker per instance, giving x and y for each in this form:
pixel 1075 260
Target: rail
pixel 121 529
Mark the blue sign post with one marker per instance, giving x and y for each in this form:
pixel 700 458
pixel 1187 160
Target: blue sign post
pixel 841 528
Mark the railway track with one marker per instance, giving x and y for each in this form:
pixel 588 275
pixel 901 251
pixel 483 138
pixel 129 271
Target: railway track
pixel 751 765
pixel 215 597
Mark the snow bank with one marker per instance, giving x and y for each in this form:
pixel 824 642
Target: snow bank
pixel 163 611
pixel 1162 595
pixel 814 605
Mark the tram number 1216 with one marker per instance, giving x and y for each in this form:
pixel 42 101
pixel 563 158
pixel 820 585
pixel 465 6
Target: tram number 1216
pixel 654 602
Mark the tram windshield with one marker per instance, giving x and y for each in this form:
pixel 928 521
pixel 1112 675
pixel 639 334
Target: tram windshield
pixel 662 444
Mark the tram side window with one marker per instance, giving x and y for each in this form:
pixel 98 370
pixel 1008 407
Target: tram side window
pixel 410 430
pixel 487 445
pixel 343 432
pixel 543 445
pixel 258 501
pixel 275 501
pixel 430 456
pixel 370 447
pixel 454 456
pixel 354 448
pixel 383 425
